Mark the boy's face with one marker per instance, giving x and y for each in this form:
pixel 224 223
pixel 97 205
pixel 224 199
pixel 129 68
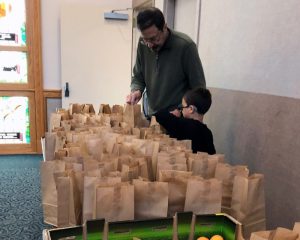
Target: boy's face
pixel 186 110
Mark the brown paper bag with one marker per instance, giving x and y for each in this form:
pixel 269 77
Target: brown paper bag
pixel 60 141
pixel 89 165
pixel 109 141
pixel 177 189
pixel 130 171
pixel 144 164
pixel 90 184
pixel 110 166
pixel 154 158
pixel 278 234
pixel 226 174
pixel 75 108
pixel 168 166
pixel 203 196
pixel 205 167
pixel 155 126
pixel 50 142
pixel 283 234
pixel 150 199
pixel 66 124
pixel 65 202
pixel 296 228
pixel 55 119
pixel 69 186
pixel 88 108
pixel 74 152
pixel 114 203
pixel 49 191
pixel 132 114
pixel 183 145
pixel 60 154
pixel 104 108
pixel 261 235
pixel 191 157
pixel 95 148
pixel 117 109
pixel 74 166
pixel 248 203
pixel 64 113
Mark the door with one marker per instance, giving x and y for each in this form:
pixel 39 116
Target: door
pixel 21 99
pixel 95 54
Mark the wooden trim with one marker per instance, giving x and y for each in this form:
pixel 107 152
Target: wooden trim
pixel 50 94
pixel 13 48
pixel 35 65
pixel 16 89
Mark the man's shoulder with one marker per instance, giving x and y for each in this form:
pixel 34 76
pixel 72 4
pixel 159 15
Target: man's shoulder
pixel 181 38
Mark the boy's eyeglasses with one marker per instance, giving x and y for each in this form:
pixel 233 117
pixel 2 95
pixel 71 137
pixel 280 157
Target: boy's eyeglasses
pixel 180 107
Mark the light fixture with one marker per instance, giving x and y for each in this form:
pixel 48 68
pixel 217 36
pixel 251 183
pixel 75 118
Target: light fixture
pixel 115 15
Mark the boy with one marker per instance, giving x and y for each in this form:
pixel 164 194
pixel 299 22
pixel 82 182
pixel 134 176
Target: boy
pixel 195 103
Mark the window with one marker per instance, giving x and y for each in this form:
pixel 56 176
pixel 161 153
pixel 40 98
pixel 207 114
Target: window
pixel 21 93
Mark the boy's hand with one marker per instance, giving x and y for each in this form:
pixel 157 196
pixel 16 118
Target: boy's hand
pixel 134 97
pixel 176 113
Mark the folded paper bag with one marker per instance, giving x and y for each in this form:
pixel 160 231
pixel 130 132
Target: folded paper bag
pixel 261 235
pixel 283 234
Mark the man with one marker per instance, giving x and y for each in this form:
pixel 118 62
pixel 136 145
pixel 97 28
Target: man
pixel 167 63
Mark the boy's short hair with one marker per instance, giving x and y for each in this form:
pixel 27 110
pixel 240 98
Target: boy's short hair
pixel 200 98
pixel 150 16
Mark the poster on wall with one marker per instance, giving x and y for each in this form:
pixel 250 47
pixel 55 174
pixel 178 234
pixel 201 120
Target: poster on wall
pixel 13 67
pixel 12 23
pixel 14 120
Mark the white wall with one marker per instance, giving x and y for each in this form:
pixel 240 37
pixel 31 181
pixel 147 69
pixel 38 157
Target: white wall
pixel 159 4
pixel 50 18
pixel 185 17
pixel 95 54
pixel 251 45
pixel 51 52
pixel 250 51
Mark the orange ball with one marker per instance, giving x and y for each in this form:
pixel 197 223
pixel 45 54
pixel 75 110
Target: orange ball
pixel 216 237
pixel 202 238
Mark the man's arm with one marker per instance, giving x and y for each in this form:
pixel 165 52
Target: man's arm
pixel 137 85
pixel 138 76
pixel 193 67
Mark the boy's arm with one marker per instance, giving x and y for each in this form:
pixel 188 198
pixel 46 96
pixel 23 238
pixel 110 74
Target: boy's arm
pixel 175 126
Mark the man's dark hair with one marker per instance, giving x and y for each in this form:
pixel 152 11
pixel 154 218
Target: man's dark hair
pixel 150 16
pixel 200 98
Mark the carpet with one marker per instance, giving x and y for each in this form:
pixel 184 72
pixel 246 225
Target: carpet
pixel 21 215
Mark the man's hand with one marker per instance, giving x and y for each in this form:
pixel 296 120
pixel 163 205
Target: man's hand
pixel 134 97
pixel 176 113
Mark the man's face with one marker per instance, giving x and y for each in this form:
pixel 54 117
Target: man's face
pixel 153 37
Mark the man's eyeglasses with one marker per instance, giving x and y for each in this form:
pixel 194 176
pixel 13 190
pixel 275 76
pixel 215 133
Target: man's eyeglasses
pixel 153 39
